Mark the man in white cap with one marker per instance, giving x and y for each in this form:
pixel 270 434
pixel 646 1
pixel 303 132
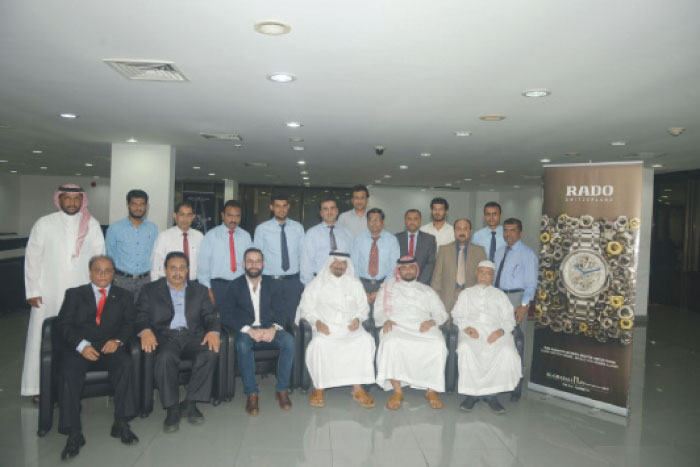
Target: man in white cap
pixel 341 352
pixel 56 258
pixel 488 360
pixel 412 350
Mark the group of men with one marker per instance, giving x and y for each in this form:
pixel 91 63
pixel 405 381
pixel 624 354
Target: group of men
pixel 174 290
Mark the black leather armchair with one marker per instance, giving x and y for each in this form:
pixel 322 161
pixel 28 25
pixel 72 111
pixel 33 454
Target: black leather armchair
pixel 185 370
pixel 265 361
pixel 96 382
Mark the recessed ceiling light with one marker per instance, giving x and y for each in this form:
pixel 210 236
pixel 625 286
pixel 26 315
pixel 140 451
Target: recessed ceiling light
pixel 387 176
pixel 403 167
pixel 212 174
pixel 656 166
pixel 425 154
pixel 298 148
pixel 538 92
pixel 463 133
pixel 304 172
pixel 301 162
pixel 516 186
pixel 500 171
pixel 95 176
pixel 43 168
pixel 37 151
pixel 664 196
pixel 676 131
pixel 296 139
pixel 618 143
pixel 423 189
pixel 2 161
pixel 237 145
pixel 467 179
pixel 304 178
pixel 272 27
pixel 196 167
pixel 132 140
pixel 377 181
pixel 78 174
pixel 492 118
pixel 545 161
pixel 665 189
pixel 281 77
pixel 13 171
pixel 87 164
pixel 448 184
pixel 294 124
pixel 69 116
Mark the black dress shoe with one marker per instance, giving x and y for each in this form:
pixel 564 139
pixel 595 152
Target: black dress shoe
pixel 515 394
pixel 468 403
pixel 495 405
pixel 75 442
pixel 172 420
pixel 194 416
pixel 123 431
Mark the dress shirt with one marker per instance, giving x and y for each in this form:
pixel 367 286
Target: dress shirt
pixel 255 298
pixel 178 298
pixel 443 236
pixel 267 239
pixel 483 237
pixel 354 223
pixel 415 241
pixel 317 246
pixel 519 270
pixel 389 252
pixel 214 258
pixel 171 240
pixel 131 247
pixel 98 296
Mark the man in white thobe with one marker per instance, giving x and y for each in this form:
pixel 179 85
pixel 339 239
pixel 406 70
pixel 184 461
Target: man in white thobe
pixel 412 350
pixel 488 360
pixel 56 258
pixel 341 352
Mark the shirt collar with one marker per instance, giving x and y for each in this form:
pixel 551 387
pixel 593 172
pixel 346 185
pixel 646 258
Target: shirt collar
pixel 96 289
pixel 172 290
pixel 515 245
pixel 250 285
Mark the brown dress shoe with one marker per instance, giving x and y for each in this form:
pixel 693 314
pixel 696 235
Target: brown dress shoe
pixel 251 407
pixel 283 400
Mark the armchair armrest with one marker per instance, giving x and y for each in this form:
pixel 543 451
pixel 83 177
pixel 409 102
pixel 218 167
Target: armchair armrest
pixel 450 331
pixel 46 377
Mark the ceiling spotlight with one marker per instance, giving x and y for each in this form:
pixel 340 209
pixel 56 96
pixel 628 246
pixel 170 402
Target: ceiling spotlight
pixel 304 172
pixel 448 184
pixel 298 148
pixel 304 178
pixel 212 174
pixel 2 161
pixel 377 181
pixel 403 167
pixel 545 161
pixel 656 166
pixel 43 168
pixel 463 133
pixel 294 125
pixel 425 154
pixel 387 176
pixel 467 179
pixel 78 174
pixel 37 151
pixel 676 131
pixel 13 171
pixel 196 167
pixel 539 92
pixel 618 143
pixel 132 140
pixel 301 162
pixel 492 118
pixel 296 139
pixel 87 164
pixel 95 176
pixel 500 171
pixel 238 145
pixel 665 189
pixel 281 77
pixel 516 186
pixel 69 116
pixel 272 27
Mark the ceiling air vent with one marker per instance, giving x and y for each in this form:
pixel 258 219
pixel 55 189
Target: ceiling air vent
pixel 222 137
pixel 146 70
pixel 256 164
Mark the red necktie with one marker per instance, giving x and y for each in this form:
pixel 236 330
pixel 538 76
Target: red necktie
pixel 232 250
pixel 101 305
pixel 411 245
pixel 374 259
pixel 186 249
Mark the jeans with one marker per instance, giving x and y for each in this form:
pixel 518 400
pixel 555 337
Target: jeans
pixel 245 346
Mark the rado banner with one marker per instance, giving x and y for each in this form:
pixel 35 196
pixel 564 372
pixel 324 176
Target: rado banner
pixel 585 299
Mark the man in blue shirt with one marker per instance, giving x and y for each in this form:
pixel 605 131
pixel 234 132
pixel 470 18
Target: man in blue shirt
pixel 321 239
pixel 130 243
pixel 491 236
pixel 280 239
pixel 221 252
pixel 516 275
pixel 374 254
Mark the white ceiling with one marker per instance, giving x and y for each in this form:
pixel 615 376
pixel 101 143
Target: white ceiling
pixel 404 74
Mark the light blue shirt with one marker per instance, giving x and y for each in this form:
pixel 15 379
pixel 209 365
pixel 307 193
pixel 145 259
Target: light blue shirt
pixel 215 256
pixel 317 246
pixel 519 270
pixel 389 253
pixel 131 247
pixel 267 239
pixel 178 297
pixel 98 296
pixel 483 237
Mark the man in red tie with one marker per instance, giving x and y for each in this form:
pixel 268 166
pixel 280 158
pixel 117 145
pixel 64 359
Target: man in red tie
pixel 94 323
pixel 420 245
pixel 180 237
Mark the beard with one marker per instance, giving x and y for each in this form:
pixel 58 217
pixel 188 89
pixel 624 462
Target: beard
pixel 70 213
pixel 136 216
pixel 253 273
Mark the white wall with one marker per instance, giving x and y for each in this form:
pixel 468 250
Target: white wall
pixel 644 255
pixel 9 203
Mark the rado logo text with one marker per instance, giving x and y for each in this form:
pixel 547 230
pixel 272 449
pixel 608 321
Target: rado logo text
pixel 589 193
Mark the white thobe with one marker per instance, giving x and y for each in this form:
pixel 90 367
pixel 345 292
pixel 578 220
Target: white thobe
pixel 445 235
pixel 343 357
pixel 405 354
pixel 172 240
pixel 485 368
pixel 50 269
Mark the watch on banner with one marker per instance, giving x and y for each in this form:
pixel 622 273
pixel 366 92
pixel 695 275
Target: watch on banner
pixel 587 276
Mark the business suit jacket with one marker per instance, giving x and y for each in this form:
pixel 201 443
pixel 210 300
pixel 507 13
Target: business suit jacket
pixel 425 253
pixel 78 314
pixel 154 308
pixel 444 279
pixel 238 311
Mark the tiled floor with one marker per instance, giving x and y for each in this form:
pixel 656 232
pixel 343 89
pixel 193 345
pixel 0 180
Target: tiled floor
pixel 662 430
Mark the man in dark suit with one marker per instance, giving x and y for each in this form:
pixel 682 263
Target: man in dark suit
pixel 94 323
pixel 175 318
pixel 420 245
pixel 252 311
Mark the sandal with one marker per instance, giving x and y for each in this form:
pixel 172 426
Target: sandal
pixel 395 401
pixel 364 399
pixel 433 399
pixel 316 399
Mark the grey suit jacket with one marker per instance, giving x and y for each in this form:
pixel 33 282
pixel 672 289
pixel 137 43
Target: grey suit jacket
pixel 426 249
pixel 444 280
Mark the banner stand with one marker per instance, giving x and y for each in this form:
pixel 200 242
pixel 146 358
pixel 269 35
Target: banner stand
pixel 578 399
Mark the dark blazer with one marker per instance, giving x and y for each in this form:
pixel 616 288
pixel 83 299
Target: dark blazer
pixel 426 249
pixel 238 311
pixel 76 319
pixel 444 280
pixel 154 308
